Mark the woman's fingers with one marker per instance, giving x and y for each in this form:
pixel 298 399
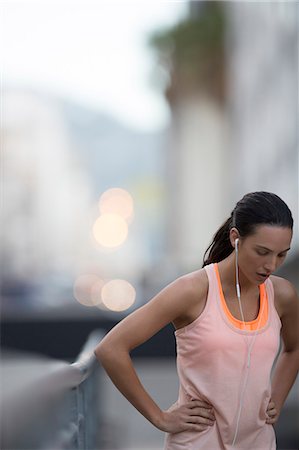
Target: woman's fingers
pixel 271 421
pixel 271 413
pixel 200 408
pixel 207 413
pixel 271 405
pixel 198 403
pixel 272 416
pixel 200 412
pixel 195 427
pixel 196 415
pixel 200 420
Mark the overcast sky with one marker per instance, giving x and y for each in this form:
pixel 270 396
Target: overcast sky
pixel 94 52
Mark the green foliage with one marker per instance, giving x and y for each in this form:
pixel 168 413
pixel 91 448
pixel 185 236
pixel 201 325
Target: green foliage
pixel 194 48
pixel 195 35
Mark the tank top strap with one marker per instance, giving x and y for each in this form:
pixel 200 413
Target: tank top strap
pixel 211 276
pixel 270 294
pixel 213 285
pixel 270 290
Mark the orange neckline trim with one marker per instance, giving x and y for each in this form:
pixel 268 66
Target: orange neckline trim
pixel 253 324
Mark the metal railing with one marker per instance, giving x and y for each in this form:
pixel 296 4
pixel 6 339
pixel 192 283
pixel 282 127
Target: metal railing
pixel 49 404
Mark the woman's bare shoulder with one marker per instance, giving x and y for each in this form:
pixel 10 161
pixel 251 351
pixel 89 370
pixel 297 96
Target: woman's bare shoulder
pixel 178 303
pixel 197 285
pixel 285 294
pixel 199 281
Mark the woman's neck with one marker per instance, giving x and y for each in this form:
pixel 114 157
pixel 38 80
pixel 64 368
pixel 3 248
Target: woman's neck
pixel 227 270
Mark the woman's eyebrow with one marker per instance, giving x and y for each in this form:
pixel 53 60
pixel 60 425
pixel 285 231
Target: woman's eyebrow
pixel 269 250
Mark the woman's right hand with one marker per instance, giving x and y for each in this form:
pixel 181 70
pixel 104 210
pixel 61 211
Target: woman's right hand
pixel 195 415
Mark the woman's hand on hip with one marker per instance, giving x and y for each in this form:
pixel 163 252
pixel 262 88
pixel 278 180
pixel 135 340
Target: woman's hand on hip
pixel 196 415
pixel 272 413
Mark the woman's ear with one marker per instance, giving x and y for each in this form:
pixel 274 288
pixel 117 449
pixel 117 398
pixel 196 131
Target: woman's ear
pixel 233 235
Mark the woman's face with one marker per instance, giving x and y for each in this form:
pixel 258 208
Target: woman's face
pixel 263 252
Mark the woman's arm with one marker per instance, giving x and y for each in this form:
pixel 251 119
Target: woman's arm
pixel 287 365
pixel 114 354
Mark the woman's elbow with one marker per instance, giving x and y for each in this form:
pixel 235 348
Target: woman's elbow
pixel 108 350
pixel 101 351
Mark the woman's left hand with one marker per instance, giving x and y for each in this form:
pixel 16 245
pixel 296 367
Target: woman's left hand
pixel 272 413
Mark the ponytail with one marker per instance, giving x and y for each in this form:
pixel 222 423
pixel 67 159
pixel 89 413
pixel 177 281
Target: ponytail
pixel 220 247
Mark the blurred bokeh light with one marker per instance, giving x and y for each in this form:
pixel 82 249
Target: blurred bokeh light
pixel 87 289
pixel 117 201
pixel 110 230
pixel 118 295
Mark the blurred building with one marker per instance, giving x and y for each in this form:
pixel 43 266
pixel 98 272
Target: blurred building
pixel 46 197
pixel 262 52
pixel 197 169
pixel 58 159
pixel 233 92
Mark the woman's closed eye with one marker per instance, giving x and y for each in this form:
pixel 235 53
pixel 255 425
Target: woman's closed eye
pixel 262 252
pixel 282 255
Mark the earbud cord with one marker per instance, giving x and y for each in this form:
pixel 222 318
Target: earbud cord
pixel 237 283
pixel 248 346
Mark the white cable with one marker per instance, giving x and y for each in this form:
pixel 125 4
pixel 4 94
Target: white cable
pixel 240 408
pixel 246 379
pixel 237 283
pixel 248 346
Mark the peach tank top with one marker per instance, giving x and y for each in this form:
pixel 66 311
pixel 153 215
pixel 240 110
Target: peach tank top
pixel 212 364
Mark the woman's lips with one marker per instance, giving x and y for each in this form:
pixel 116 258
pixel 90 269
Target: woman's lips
pixel 263 275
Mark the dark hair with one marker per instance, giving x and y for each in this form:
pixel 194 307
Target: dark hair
pixel 255 208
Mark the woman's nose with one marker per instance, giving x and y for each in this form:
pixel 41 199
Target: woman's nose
pixel 271 264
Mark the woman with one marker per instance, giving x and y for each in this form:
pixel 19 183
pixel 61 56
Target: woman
pixel 228 317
